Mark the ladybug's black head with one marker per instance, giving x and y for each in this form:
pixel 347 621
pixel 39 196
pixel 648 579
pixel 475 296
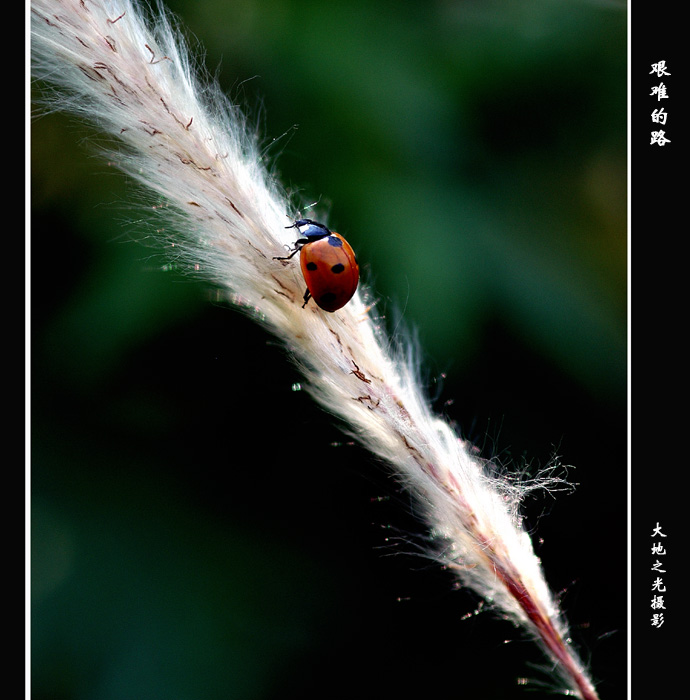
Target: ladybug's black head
pixel 311 229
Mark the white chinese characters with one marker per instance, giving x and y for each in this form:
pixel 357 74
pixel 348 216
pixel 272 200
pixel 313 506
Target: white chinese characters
pixel 659 116
pixel 658 586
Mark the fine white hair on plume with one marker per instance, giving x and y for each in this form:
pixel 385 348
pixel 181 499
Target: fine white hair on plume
pixel 126 71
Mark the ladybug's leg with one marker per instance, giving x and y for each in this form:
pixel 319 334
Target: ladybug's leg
pixel 287 257
pixel 298 246
pixel 307 297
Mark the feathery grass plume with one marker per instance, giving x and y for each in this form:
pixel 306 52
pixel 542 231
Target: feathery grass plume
pixel 182 139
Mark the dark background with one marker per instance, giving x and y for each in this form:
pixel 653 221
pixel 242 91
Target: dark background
pixel 202 530
pixel 659 349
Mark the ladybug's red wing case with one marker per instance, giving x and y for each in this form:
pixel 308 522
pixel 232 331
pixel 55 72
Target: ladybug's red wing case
pixel 330 269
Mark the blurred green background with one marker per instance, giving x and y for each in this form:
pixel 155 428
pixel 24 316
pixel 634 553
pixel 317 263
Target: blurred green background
pixel 202 530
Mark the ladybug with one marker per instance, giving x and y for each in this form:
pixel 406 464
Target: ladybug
pixel 329 265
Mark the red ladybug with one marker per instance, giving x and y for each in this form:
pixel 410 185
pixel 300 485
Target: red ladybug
pixel 328 263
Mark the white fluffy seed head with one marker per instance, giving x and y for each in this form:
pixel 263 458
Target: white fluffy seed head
pixel 184 141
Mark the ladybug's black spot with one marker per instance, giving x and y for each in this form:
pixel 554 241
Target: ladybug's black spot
pixel 337 268
pixel 327 298
pixel 335 242
pixel 311 266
